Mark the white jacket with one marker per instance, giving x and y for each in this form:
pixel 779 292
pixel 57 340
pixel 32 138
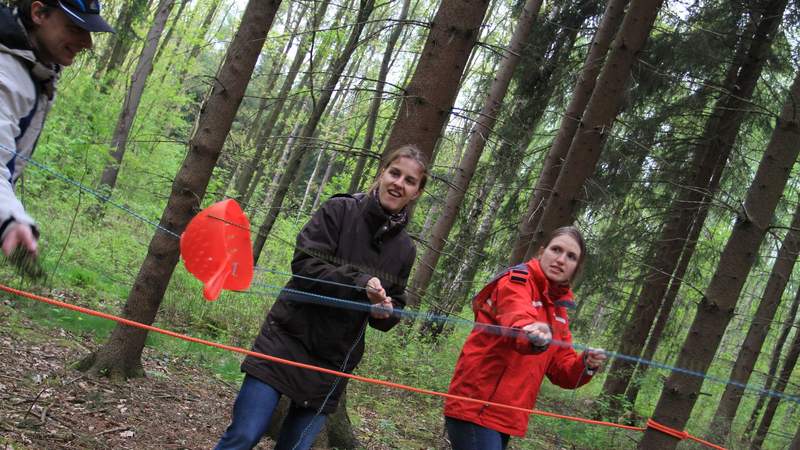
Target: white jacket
pixel 24 104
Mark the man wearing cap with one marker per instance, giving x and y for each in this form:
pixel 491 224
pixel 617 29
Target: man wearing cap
pixel 37 38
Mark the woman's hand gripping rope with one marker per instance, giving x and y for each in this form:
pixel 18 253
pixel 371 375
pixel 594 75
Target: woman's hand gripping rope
pixel 382 306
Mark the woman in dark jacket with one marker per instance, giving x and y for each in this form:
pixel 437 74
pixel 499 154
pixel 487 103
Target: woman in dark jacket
pixel 531 298
pixel 354 248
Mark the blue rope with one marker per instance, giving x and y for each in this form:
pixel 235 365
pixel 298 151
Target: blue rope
pixel 323 300
pixel 318 299
pixel 91 191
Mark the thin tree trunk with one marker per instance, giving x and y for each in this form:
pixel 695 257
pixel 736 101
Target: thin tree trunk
pixel 612 18
pixel 325 178
pixel 375 104
pixel 272 78
pixel 168 37
pixel 293 164
pixel 759 327
pixel 774 363
pixel 429 97
pixel 310 184
pixel 138 82
pixel 246 175
pixel 124 37
pixel 200 41
pixel 717 306
pixel 477 142
pixel 120 357
pixel 780 386
pixel 599 116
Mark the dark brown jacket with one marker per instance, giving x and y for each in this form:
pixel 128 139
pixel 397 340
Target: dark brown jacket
pixel 348 240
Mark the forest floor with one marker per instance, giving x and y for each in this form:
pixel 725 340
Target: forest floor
pixel 46 404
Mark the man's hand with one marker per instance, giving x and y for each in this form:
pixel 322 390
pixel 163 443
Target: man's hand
pixel 539 334
pixel 19 235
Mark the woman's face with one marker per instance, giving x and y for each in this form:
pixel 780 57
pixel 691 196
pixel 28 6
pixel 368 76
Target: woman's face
pixel 398 184
pixel 559 259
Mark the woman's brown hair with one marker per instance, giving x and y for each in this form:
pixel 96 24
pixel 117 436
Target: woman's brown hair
pixel 411 152
pixel 574 233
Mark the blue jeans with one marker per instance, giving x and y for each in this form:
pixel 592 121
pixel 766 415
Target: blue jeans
pixel 469 436
pixel 251 414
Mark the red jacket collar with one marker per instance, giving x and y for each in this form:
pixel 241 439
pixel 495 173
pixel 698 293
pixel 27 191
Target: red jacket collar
pixel 554 293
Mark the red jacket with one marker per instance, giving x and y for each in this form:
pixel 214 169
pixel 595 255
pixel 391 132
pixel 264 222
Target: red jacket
pixel 507 369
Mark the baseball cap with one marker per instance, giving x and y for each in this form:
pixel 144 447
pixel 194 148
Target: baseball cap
pixel 85 14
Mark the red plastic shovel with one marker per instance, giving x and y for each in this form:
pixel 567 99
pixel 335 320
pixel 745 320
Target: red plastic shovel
pixel 216 248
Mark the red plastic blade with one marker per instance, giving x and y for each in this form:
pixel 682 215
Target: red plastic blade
pixel 216 248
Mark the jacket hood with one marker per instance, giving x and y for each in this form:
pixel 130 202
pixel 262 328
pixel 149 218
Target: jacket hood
pixel 13 39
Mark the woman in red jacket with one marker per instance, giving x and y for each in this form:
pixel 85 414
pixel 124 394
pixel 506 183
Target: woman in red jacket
pixel 531 298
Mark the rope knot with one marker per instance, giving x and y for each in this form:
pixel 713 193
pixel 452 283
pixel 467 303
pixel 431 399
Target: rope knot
pixel 681 435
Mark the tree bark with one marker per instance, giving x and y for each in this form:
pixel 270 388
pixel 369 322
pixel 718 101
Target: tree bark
pixel 120 357
pixel 430 95
pixel 477 142
pixel 710 158
pixel 293 164
pixel 612 18
pixel 759 327
pixel 138 82
pixel 717 306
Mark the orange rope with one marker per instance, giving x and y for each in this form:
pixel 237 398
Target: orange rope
pixel 323 370
pixel 680 435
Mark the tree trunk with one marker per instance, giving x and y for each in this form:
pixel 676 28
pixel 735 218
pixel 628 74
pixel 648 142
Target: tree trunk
pixel 430 95
pixel 710 157
pixel 759 327
pixel 477 142
pixel 717 306
pixel 584 151
pixel 325 177
pixel 121 40
pixel 200 39
pixel 138 81
pixel 774 362
pixel 666 309
pixel 272 78
pixel 375 104
pixel 612 18
pixel 293 164
pixel 780 386
pixel 121 355
pixel 168 37
pixel 246 175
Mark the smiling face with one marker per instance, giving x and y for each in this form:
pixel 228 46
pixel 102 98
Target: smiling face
pixel 559 259
pixel 56 39
pixel 399 184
